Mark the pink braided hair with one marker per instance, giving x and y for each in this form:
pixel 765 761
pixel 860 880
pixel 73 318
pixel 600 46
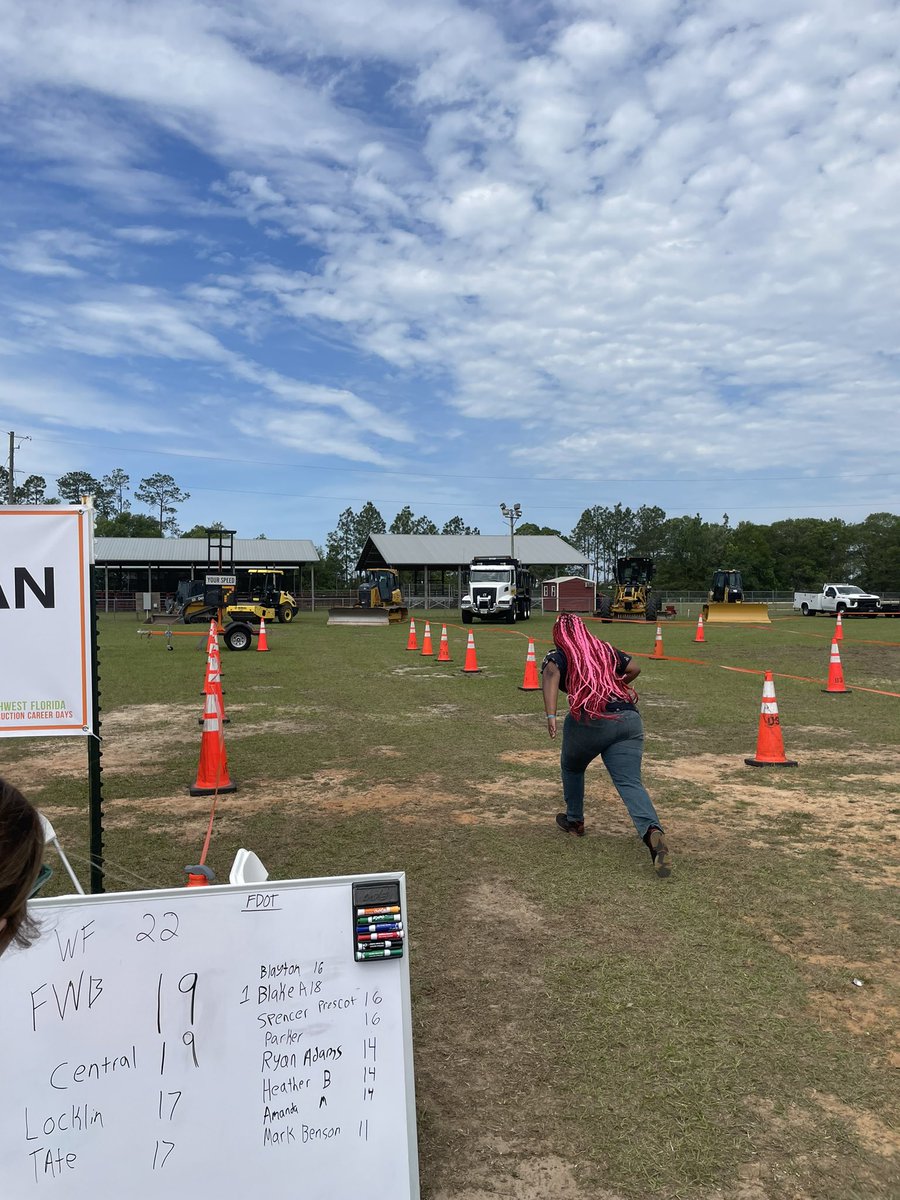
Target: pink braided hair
pixel 591 675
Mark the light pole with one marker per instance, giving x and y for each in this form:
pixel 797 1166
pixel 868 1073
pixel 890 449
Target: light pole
pixel 512 515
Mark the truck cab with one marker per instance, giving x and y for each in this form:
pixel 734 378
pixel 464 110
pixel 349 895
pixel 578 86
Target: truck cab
pixel 499 590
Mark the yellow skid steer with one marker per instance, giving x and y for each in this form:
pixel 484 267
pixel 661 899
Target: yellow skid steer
pixel 726 604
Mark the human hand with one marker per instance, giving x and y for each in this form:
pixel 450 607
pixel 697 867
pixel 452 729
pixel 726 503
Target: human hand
pixel 551 726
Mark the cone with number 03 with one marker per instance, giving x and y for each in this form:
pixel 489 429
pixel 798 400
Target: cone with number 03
pixel 769 742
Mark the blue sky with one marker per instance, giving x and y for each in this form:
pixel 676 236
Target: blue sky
pixel 304 255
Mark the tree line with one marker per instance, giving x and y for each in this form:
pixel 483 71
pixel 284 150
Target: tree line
pixel 799 553
pixel 796 554
pixel 158 492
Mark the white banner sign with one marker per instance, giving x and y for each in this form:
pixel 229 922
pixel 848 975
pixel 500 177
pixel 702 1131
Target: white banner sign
pixel 45 671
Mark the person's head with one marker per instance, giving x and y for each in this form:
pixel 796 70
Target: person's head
pixel 21 853
pixel 591 666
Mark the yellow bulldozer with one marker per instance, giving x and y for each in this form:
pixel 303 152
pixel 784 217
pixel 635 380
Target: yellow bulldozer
pixel 725 604
pixel 379 601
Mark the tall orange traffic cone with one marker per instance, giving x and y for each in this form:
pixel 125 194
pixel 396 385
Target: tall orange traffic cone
pixel 212 770
pixel 262 642
pixel 699 636
pixel 658 651
pixel 530 681
pixel 838 629
pixel 444 648
pixel 769 742
pixel 412 644
pixel 471 664
pixel 836 685
pixel 427 648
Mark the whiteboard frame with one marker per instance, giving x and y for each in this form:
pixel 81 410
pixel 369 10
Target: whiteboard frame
pixel 48 903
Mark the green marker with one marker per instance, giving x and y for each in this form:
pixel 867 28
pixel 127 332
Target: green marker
pixel 365 955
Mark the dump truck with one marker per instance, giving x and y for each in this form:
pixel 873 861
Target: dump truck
pixel 265 598
pixel 725 604
pixel 379 601
pixel 499 590
pixel 632 599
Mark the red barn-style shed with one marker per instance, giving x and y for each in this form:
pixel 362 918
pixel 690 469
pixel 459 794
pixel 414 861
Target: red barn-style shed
pixel 567 593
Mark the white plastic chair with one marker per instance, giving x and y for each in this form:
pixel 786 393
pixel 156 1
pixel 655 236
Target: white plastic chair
pixel 247 868
pixel 50 839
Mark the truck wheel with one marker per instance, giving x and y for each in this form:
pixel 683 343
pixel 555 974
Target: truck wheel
pixel 604 609
pixel 804 608
pixel 238 636
pixel 285 614
pixel 466 618
pixel 840 608
pixel 511 617
pixel 651 610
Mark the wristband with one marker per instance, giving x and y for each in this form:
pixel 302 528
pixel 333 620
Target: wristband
pixel 551 716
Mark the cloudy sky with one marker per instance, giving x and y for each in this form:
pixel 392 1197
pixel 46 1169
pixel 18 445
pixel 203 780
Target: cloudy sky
pixel 302 255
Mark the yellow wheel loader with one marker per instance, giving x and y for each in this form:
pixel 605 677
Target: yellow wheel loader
pixel 726 605
pixel 379 601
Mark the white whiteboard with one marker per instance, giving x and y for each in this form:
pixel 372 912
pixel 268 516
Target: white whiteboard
pixel 216 1040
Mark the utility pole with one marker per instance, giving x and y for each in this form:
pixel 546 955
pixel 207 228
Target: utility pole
pixel 10 487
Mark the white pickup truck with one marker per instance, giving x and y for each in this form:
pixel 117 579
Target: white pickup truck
pixel 836 598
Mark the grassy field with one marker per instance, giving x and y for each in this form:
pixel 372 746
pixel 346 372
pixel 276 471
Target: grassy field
pixel 585 1032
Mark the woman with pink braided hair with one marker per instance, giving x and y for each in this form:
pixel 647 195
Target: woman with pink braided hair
pixel 603 721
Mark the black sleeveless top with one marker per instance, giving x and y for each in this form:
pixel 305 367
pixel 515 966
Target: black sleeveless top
pixel 622 660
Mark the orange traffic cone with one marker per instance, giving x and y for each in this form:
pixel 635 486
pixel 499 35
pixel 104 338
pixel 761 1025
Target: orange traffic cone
pixel 213 685
pixel 658 651
pixel 471 665
pixel 699 636
pixel 836 685
pixel 412 644
pixel 769 742
pixel 838 629
pixel 444 648
pixel 427 649
pixel 212 771
pixel 199 876
pixel 262 643
pixel 530 681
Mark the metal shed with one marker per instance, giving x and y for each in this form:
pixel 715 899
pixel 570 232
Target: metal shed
pixel 155 565
pixel 568 593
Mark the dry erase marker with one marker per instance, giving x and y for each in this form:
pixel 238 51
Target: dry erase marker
pixel 387 938
pixel 381 927
pixel 365 955
pixel 376 912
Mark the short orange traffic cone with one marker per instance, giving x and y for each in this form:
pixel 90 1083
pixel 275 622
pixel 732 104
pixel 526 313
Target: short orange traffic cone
pixel 838 629
pixel 444 648
pixel 212 771
pixel 262 643
pixel 658 651
pixel 699 636
pixel 412 644
pixel 836 685
pixel 427 648
pixel 471 664
pixel 199 875
pixel 530 681
pixel 769 742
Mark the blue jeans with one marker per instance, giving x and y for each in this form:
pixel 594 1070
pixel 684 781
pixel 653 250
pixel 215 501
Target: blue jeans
pixel 619 741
